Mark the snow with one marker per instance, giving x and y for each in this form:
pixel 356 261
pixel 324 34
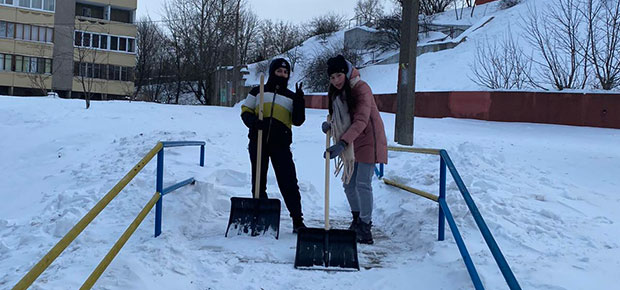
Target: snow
pixel 446 70
pixel 547 192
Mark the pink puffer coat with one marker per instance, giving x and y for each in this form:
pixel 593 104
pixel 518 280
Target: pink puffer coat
pixel 367 131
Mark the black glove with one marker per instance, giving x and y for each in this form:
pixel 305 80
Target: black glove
pixel 326 126
pixel 336 149
pixel 298 91
pixel 261 125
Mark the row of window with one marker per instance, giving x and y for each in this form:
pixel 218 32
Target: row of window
pixel 104 41
pixel 103 71
pixel 26 32
pixel 47 5
pixel 27 64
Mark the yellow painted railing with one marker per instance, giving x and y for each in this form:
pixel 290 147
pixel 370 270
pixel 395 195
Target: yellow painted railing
pixel 36 271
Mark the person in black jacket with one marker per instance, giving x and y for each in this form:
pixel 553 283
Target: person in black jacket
pixel 282 109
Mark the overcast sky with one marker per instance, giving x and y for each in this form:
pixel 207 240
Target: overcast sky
pixel 295 11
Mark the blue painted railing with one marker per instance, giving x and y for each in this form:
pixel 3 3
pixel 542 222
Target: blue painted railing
pixel 160 177
pixel 444 213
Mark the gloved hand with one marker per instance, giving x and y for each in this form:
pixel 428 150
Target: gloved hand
pixel 326 126
pixel 298 90
pixel 261 125
pixel 335 150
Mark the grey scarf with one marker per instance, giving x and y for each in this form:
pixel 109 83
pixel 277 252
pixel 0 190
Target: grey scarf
pixel 341 121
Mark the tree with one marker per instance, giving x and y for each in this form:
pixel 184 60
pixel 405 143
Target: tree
pixel 150 43
pixel 430 7
pixel 40 73
pixel 389 30
pixel 326 24
pixel 368 11
pixel 603 21
pixel 558 41
pixel 202 32
pixel 87 61
pixel 501 65
pixel 316 78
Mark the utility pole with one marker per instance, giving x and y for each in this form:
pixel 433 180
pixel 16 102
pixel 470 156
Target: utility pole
pixel 235 70
pixel 403 131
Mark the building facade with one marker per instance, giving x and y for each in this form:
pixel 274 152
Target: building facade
pixel 75 48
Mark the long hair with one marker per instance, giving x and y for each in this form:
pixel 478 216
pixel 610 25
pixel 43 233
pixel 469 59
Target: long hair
pixel 333 92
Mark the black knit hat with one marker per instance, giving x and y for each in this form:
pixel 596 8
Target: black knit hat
pixel 337 65
pixel 278 63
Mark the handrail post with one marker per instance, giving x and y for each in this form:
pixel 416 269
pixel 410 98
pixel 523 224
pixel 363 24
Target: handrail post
pixel 202 155
pixel 442 196
pixel 159 188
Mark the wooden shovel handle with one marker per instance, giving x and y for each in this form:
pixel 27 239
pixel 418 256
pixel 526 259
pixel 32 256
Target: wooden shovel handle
pixel 327 159
pixel 259 139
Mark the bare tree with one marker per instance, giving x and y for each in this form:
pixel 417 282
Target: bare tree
pixel 389 31
pixel 150 41
pixel 316 78
pixel 40 74
pixel 249 27
pixel 430 7
pixel 501 65
pixel 84 60
pixel 603 20
pixel 368 11
pixel 557 40
pixel 326 25
pixel 203 30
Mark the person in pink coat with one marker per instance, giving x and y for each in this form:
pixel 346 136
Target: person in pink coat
pixel 360 142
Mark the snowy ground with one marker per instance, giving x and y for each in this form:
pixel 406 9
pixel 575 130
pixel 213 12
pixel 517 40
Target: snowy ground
pixel 548 193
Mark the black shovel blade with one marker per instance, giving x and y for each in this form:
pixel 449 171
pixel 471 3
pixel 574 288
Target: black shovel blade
pixel 326 249
pixel 254 216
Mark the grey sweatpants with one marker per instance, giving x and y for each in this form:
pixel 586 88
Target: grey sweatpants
pixel 359 190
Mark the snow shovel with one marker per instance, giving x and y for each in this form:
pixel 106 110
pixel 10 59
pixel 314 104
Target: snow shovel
pixel 255 216
pixel 324 248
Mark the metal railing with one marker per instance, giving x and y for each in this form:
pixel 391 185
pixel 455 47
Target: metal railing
pixel 445 214
pixel 47 260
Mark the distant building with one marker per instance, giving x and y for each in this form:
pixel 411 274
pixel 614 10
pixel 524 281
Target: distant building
pixel 68 46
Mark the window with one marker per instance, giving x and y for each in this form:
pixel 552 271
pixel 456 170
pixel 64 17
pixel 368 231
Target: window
pixel 123 44
pixel 96 40
pixel 131 45
pixel 78 38
pixel 104 42
pixel 114 43
pixel 27 32
pixel 48 66
pixel 8 2
pixel 38 4
pixel 24 3
pixel 86 12
pixel 97 71
pixel 35 33
pixel 1 60
pixel 8 62
pixel 86 39
pixel 19 63
pixel 120 15
pixel 117 73
pixel 123 74
pixel 41 65
pixel 33 65
pixel 26 64
pixel 49 5
pixel 19 33
pixel 10 30
pixel 50 35
pixel 2 29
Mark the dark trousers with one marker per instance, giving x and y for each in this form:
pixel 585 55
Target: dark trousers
pixel 284 167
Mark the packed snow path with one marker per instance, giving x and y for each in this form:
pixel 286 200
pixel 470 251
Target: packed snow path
pixel 548 193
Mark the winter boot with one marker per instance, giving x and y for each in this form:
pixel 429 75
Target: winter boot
pixel 298 223
pixel 355 221
pixel 364 235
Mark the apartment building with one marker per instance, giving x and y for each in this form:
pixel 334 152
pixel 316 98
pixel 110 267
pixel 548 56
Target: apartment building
pixel 74 48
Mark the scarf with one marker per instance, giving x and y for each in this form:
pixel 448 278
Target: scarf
pixel 340 122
